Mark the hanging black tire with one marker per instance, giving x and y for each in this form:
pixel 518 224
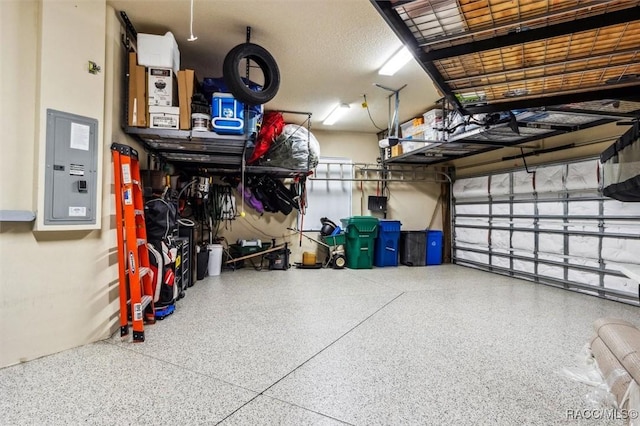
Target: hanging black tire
pixel 267 64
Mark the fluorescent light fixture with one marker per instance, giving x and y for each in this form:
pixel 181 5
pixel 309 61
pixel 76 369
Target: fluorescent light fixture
pixel 396 62
pixel 336 114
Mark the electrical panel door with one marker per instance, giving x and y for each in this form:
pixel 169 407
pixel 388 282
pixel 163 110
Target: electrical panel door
pixel 71 169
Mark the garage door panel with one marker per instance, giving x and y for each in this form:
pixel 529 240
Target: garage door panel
pixel 522 182
pixel 625 285
pixel 552 208
pixel 472 235
pixel 500 209
pixel 523 240
pixel 473 256
pixel 582 175
pixel 565 231
pixel 471 188
pixel 500 239
pixel 619 208
pixel 550 179
pixel 523 266
pixel 583 246
pixel 584 208
pixel 621 250
pixel 474 209
pixel 549 270
pixel 584 277
pixel 550 243
pixel 500 184
pixel 524 209
pixel 500 261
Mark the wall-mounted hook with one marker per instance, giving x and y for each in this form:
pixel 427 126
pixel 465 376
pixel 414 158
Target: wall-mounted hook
pixel 94 68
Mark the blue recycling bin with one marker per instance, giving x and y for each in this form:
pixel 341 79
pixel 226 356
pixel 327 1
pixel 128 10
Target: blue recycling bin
pixel 386 244
pixel 434 247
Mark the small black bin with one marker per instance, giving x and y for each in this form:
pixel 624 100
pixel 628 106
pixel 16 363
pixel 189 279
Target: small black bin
pixel 413 248
pixel 203 263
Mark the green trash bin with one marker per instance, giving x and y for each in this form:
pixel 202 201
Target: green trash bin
pixel 361 232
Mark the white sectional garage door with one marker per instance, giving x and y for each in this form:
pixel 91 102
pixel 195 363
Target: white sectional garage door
pixel 552 226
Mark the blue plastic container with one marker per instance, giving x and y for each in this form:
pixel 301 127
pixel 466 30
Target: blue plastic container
pixel 386 244
pixel 434 247
pixel 227 115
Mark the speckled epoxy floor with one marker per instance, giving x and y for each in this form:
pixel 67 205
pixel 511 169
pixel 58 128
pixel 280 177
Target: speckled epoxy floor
pixel 425 346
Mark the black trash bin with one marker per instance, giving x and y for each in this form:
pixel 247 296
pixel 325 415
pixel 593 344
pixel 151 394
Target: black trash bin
pixel 203 263
pixel 413 248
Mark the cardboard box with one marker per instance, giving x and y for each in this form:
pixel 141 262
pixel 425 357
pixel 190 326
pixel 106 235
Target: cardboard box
pixel 137 107
pixel 161 86
pixel 396 150
pixel 186 86
pixel 164 121
pixel 173 110
pixel 164 117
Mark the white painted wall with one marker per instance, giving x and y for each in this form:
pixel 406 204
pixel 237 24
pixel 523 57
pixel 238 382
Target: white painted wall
pixel 70 35
pixel 57 289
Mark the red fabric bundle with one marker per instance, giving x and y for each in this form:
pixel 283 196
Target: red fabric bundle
pixel 272 126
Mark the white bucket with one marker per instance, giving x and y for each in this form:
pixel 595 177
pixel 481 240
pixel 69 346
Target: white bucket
pixel 200 122
pixel 215 259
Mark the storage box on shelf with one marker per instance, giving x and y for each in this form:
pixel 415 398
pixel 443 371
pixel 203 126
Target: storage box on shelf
pixel 432 122
pixel 137 88
pixel 396 150
pixel 158 51
pixel 164 117
pixel 161 89
pixel 187 84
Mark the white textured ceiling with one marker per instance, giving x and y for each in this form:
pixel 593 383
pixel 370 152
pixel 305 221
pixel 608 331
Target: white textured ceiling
pixel 328 51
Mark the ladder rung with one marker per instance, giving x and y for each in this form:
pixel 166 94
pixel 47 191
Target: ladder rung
pixel 141 241
pixel 143 271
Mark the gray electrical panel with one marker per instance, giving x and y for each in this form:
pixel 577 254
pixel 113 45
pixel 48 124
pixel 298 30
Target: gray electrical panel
pixel 71 169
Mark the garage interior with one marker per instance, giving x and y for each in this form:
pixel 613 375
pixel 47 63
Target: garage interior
pixel 512 133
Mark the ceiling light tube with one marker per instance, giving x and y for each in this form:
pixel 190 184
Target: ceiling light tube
pixel 336 114
pixel 396 62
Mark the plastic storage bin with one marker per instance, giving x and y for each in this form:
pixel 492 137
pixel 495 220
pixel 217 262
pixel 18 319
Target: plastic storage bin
pixel 386 244
pixel 215 259
pixel 413 248
pixel 361 232
pixel 434 247
pixel 227 115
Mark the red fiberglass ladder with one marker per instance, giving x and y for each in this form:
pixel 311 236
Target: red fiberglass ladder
pixel 135 275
